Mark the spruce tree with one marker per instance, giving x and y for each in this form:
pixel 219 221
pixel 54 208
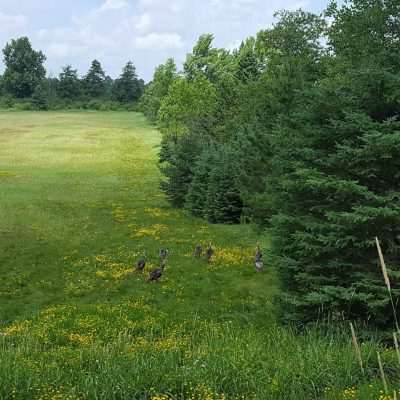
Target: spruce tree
pixel 336 179
pixel 69 86
pixel 95 81
pixel 40 97
pixel 127 88
pixel 177 167
pixel 196 199
pixel 223 201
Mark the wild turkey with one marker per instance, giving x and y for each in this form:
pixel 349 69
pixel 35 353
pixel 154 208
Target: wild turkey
pixel 209 253
pixel 258 262
pixel 198 250
pixel 163 254
pixel 156 274
pixel 141 263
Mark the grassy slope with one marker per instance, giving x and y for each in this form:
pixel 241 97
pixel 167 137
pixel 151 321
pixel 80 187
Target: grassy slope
pixel 80 186
pixel 79 203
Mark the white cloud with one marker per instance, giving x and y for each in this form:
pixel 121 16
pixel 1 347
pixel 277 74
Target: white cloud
pixel 12 22
pixel 145 31
pixel 114 5
pixel 64 50
pixel 143 23
pixel 159 41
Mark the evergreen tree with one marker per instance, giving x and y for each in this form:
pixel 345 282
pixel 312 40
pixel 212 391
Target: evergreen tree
pixel 336 181
pixel 109 87
pixel 95 81
pixel 252 147
pixel 69 86
pixel 177 167
pixel 51 85
pixel 196 198
pixel 40 97
pixel 128 88
pixel 24 68
pixel 223 201
pixel 248 63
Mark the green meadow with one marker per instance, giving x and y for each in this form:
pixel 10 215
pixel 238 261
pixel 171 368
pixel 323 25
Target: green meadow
pixel 79 204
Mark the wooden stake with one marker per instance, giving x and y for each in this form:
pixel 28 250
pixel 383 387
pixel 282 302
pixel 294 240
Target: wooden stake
pixel 356 347
pixel 383 377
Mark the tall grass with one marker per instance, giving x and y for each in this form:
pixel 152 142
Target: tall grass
pixel 395 341
pixel 222 360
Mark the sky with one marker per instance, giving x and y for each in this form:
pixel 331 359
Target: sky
pixel 146 32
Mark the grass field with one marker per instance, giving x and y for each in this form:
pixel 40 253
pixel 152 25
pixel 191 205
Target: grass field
pixel 79 203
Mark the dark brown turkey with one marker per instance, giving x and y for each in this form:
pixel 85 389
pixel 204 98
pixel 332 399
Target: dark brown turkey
pixel 198 251
pixel 258 262
pixel 141 263
pixel 156 274
pixel 209 253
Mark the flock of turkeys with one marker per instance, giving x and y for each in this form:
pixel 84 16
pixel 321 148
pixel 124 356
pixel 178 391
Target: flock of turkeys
pixel 156 274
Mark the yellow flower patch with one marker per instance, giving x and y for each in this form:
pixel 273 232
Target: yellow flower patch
pixel 16 328
pixel 82 340
pixel 153 231
pixel 157 212
pixel 48 392
pixel 232 257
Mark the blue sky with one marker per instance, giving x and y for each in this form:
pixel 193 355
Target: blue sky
pixel 144 31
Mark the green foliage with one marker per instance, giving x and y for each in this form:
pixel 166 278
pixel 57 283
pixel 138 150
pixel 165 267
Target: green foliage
pixel 95 81
pixel 185 116
pixel 303 121
pixel 24 80
pixel 188 107
pixel 24 68
pixel 224 203
pixel 253 150
pixel 213 192
pixel 40 97
pixel 128 88
pixel 197 193
pixel 176 165
pixel 69 85
pixel 6 101
pixel 336 184
pixel 157 89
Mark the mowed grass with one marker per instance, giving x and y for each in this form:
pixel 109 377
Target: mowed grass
pixel 79 204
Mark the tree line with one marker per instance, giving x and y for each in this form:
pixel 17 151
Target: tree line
pixel 24 83
pixel 297 131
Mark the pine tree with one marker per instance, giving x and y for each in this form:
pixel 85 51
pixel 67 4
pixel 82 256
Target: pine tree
pixel 223 201
pixel 196 198
pixel 177 167
pixel 95 81
pixel 252 147
pixel 336 179
pixel 128 88
pixel 69 86
pixel 40 97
